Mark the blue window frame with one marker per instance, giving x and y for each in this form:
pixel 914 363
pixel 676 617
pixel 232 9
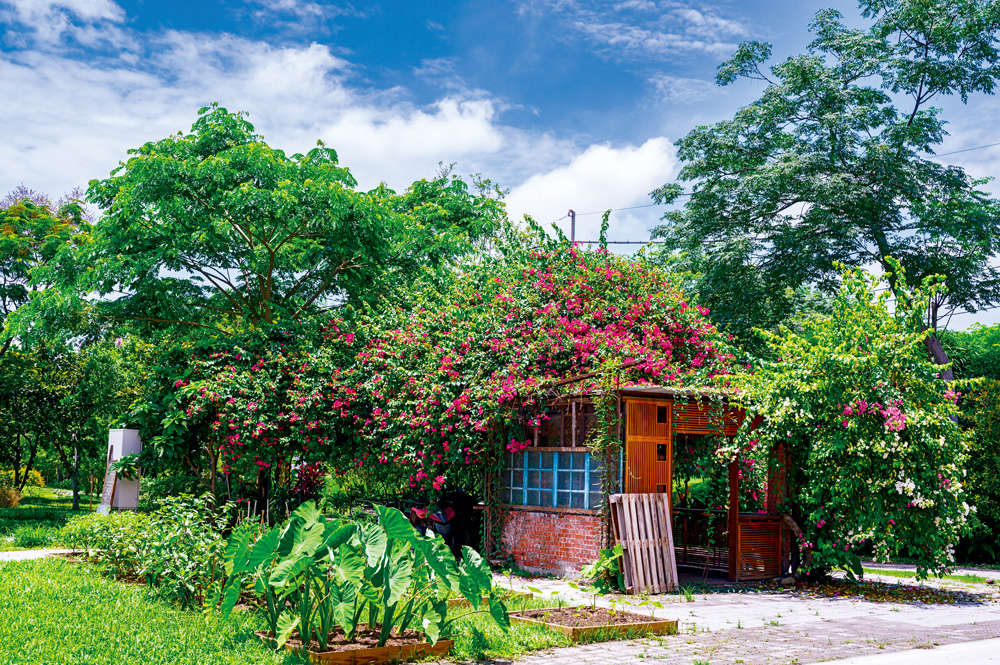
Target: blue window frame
pixel 570 479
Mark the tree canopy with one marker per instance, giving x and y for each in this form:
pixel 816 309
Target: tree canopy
pixel 34 237
pixel 876 457
pixel 834 164
pixel 216 229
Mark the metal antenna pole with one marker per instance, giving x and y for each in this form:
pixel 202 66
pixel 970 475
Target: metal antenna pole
pixel 572 226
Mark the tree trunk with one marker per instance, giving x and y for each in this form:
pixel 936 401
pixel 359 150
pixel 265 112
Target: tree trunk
pixel 938 354
pixel 76 478
pixel 27 467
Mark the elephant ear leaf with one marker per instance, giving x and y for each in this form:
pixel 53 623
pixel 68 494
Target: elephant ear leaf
pixel 230 596
pixel 337 536
pixel 238 549
pixel 306 539
pixel 375 544
pixel 499 612
pixel 400 574
pixel 287 623
pixel 476 579
pixel 344 599
pixel 431 622
pixel 440 560
pixel 350 566
pixel 395 524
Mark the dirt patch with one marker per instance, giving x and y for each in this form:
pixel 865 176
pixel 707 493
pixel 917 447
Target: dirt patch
pixel 364 639
pixel 584 617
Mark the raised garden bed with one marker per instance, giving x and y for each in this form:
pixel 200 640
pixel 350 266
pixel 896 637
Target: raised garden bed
pixel 585 621
pixel 363 650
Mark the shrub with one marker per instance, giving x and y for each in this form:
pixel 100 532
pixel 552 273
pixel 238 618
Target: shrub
pixel 9 497
pixel 29 537
pixel 177 550
pixel 35 478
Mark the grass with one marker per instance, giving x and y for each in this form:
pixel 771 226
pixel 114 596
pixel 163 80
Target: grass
pixel 36 521
pixel 909 574
pixel 65 613
pixel 70 613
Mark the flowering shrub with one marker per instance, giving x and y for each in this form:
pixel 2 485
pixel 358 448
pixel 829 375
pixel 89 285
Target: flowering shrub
pixel 268 404
pixel 877 459
pixel 447 374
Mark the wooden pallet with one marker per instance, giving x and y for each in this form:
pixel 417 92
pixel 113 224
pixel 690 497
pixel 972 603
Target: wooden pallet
pixel 642 526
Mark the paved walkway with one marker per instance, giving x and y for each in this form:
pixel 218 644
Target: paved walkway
pixel 982 652
pixel 24 555
pixel 791 627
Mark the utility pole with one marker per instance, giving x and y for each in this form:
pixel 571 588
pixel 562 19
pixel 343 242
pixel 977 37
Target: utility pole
pixel 572 226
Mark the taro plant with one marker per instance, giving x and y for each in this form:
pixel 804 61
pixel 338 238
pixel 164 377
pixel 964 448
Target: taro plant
pixel 606 572
pixel 312 576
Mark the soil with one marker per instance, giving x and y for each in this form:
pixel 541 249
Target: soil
pixel 584 616
pixel 364 639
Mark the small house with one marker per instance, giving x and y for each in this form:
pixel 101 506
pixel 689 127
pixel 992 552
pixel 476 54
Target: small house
pixel 552 492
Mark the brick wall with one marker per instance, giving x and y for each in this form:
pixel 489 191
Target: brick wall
pixel 548 542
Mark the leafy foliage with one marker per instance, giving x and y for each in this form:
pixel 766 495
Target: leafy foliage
pixel 830 166
pixel 176 550
pixel 877 457
pixel 446 379
pixel 312 575
pixel 216 229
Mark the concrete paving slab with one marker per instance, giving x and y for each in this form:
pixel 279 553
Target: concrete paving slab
pixel 25 555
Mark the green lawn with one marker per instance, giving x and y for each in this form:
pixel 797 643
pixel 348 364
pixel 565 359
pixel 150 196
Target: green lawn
pixel 52 611
pixel 36 521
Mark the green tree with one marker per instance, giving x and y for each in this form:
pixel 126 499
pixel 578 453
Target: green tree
pixel 877 457
pixel 216 229
pixel 34 235
pixel 832 165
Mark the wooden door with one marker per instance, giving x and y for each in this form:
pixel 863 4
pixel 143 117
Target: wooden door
pixel 648 453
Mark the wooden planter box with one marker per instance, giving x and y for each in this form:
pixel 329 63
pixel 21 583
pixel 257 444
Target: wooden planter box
pixel 372 655
pixel 654 627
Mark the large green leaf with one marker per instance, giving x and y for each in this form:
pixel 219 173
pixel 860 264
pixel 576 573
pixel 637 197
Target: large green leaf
pixel 400 574
pixel 396 526
pixel 440 560
pixel 431 621
pixel 336 535
pixel 344 599
pixel 304 537
pixel 348 565
pixel 238 549
pixel 375 542
pixel 476 579
pixel 499 612
pixel 287 622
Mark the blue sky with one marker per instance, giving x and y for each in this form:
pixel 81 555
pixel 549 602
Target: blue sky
pixel 567 103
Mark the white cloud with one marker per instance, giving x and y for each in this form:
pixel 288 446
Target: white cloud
pixel 640 29
pixel 74 119
pixel 599 178
pixel 49 20
pixel 682 90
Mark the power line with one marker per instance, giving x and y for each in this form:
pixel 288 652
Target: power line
pixel 955 152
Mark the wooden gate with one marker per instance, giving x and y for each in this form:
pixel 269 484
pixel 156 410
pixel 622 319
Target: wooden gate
pixel 648 454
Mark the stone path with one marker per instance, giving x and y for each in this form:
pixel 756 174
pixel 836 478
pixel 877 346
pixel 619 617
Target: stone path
pixel 24 555
pixel 786 628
